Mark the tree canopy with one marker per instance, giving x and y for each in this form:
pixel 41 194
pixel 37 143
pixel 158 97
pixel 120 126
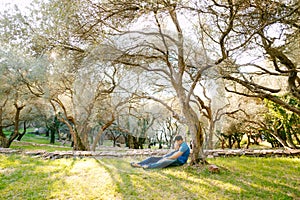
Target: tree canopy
pixel 92 60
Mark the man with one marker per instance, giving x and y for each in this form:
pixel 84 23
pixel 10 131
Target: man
pixel 175 158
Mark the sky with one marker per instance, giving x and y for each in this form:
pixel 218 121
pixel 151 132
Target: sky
pixel 20 3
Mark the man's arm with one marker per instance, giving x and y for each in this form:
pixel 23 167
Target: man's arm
pixel 175 155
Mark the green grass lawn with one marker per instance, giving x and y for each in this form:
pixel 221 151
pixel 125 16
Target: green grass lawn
pixel 41 142
pixel 38 142
pixel 24 177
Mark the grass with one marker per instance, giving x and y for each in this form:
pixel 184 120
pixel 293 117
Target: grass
pixel 50 148
pixel 38 142
pixel 24 177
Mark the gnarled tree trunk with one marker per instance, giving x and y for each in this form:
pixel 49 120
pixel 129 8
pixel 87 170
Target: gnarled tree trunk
pixel 102 129
pixel 195 129
pixel 23 133
pixel 4 142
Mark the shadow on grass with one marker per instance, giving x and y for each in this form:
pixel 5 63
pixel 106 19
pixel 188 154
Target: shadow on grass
pixel 254 178
pixel 24 177
pixel 128 181
pixel 136 183
pixel 246 178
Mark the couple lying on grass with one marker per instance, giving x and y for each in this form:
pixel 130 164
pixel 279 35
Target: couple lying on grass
pixel 175 158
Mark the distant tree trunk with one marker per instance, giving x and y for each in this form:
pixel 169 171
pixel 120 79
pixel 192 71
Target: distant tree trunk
pixel 255 139
pixel 230 143
pixel 52 136
pixel 114 137
pixel 210 135
pixel 297 138
pixel 83 132
pixel 159 139
pixel 3 139
pixel 53 128
pixel 279 139
pixel 130 141
pixel 126 139
pixel 238 144
pixel 276 135
pixel 5 143
pixel 238 138
pixel 160 145
pixel 76 143
pixel 47 133
pixel 69 121
pixel 290 140
pixel 135 142
pixel 103 128
pixel 79 146
pixel 248 140
pixel 23 133
pixel 141 142
pixel 138 142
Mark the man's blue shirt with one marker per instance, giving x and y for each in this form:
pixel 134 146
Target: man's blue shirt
pixel 184 148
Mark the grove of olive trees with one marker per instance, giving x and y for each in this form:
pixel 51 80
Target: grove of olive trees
pixel 96 64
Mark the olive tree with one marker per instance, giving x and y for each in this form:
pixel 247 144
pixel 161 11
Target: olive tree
pixel 162 48
pixel 67 72
pixel 16 101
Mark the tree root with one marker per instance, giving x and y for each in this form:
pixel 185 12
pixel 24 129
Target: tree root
pixel 202 162
pixel 199 161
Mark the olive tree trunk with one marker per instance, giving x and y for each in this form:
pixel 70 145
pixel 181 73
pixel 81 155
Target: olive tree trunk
pixel 4 141
pixel 196 131
pixel 99 134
